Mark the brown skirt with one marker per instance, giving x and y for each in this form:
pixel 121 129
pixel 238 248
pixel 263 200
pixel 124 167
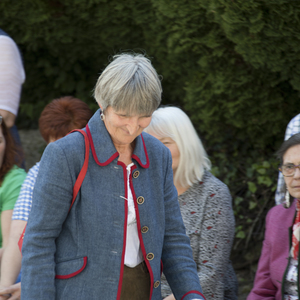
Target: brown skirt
pixel 136 283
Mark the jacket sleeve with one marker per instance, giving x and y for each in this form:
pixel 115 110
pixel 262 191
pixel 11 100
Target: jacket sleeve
pixel 215 242
pixel 263 287
pixel 50 204
pixel 179 266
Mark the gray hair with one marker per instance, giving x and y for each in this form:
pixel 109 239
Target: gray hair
pixel 130 84
pixel 172 122
pixel 294 140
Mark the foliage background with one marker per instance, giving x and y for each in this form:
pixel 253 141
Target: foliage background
pixel 232 65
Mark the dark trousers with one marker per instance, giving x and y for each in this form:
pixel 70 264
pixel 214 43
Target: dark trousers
pixel 136 283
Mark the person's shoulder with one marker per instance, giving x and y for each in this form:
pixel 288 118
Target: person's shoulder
pixel 72 142
pixel 279 209
pixel 15 174
pixel 296 118
pixel 7 44
pixel 210 180
pixel 34 168
pixel 70 149
pixel 16 171
pixel 5 39
pixel 33 171
pixel 279 212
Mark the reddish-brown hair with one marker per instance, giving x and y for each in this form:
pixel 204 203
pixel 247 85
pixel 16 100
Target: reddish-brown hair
pixel 12 154
pixel 62 115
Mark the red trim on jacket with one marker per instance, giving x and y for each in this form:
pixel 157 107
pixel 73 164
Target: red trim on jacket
pixel 138 223
pixel 193 292
pixel 94 151
pixel 84 168
pixel 146 154
pixel 74 273
pixel 125 230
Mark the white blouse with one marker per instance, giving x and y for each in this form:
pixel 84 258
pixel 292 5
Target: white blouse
pixel 133 253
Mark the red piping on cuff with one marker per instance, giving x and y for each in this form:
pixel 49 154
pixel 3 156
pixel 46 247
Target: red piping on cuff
pixel 193 292
pixel 74 273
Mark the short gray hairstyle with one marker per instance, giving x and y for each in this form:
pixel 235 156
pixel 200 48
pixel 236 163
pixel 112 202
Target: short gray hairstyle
pixel 172 122
pixel 130 84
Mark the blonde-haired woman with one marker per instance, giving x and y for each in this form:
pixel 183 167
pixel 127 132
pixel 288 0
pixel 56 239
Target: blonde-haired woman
pixel 205 204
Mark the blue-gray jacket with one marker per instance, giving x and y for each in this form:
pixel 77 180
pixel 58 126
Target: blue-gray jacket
pixel 80 254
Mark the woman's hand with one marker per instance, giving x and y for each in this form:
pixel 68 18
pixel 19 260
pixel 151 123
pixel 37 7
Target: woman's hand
pixel 12 292
pixel 170 297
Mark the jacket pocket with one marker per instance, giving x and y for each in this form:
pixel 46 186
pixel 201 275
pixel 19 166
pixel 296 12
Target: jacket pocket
pixel 70 268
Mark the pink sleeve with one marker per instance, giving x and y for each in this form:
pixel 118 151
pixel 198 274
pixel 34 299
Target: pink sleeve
pixel 263 286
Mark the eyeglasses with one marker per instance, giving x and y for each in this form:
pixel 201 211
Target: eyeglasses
pixel 288 170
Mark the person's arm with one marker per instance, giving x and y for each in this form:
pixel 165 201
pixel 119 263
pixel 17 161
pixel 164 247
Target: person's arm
pixel 10 191
pixel 50 205
pixel 263 287
pixel 11 260
pixel 215 242
pixel 177 258
pixel 5 228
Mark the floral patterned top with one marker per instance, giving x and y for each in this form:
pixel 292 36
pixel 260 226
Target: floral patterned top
pixel 206 209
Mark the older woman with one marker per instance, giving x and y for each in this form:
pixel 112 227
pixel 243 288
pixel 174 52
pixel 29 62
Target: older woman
pixel 205 204
pixel 277 275
pixel 57 119
pixel 125 224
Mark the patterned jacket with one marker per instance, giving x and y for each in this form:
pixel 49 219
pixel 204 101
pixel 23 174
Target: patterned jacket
pixel 206 209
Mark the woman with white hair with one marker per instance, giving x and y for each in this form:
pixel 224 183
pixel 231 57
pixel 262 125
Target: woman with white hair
pixel 205 204
pixel 125 223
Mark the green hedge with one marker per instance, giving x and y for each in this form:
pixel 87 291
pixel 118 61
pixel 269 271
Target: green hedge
pixel 232 65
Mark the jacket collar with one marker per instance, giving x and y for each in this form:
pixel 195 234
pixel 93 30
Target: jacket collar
pixel 103 149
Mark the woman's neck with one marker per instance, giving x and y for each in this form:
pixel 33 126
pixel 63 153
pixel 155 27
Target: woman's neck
pixel 125 153
pixel 181 189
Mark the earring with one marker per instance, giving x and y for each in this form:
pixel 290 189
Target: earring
pixel 286 204
pixel 102 116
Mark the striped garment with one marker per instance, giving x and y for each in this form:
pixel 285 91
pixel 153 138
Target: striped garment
pixel 12 74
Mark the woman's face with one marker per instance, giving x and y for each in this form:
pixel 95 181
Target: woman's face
pixel 122 128
pixel 292 156
pixel 169 143
pixel 2 146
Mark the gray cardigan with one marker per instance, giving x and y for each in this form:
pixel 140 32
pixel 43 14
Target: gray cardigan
pixel 207 214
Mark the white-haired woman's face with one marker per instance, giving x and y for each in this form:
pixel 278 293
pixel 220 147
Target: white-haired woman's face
pixel 169 143
pixel 292 157
pixel 122 128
